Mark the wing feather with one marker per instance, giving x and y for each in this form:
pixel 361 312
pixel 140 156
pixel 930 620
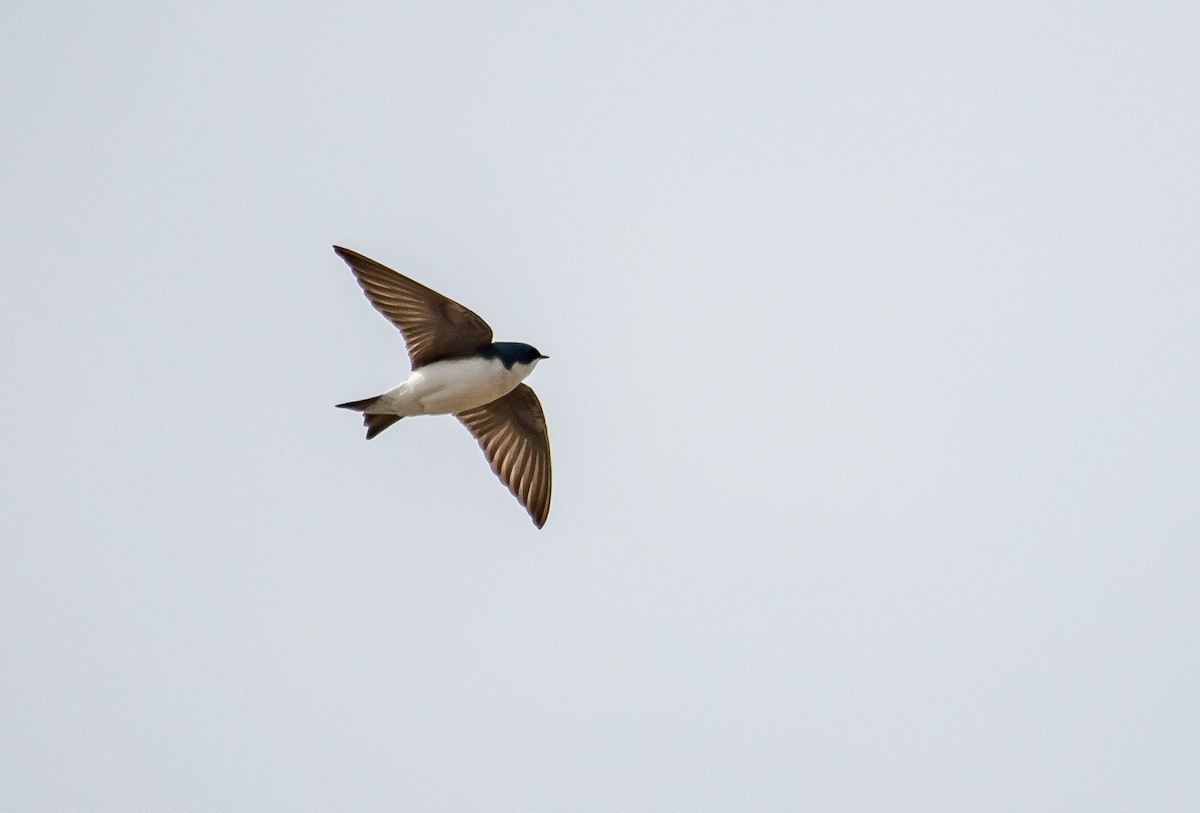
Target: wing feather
pixel 512 433
pixel 434 327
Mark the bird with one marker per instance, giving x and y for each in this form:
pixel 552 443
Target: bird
pixel 458 370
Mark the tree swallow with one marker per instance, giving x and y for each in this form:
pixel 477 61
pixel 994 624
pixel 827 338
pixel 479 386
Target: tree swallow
pixel 458 370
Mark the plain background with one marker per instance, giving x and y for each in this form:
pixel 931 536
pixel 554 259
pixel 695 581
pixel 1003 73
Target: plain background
pixel 873 399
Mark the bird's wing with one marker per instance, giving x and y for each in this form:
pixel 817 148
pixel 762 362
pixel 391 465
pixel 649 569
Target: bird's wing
pixel 512 433
pixel 434 327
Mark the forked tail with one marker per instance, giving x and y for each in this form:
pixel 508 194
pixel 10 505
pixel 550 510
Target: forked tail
pixel 375 422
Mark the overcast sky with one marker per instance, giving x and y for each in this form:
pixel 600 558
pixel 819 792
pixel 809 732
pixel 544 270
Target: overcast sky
pixel 874 337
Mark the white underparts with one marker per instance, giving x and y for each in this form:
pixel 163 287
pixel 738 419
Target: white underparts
pixel 451 386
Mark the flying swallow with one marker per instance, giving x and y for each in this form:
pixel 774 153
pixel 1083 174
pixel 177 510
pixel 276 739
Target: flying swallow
pixel 458 370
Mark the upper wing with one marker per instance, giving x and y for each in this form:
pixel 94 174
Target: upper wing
pixel 512 433
pixel 434 327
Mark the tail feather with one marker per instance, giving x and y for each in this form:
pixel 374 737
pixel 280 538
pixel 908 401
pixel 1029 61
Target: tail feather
pixel 375 422
pixel 362 405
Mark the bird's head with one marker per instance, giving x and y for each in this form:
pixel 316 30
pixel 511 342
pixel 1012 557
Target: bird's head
pixel 516 353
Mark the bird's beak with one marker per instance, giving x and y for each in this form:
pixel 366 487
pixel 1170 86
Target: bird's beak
pixel 543 357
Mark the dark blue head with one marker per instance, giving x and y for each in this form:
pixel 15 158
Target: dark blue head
pixel 511 353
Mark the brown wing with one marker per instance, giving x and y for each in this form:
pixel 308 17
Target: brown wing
pixel 434 327
pixel 512 433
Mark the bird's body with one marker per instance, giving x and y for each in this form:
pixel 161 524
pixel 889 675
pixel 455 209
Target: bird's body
pixel 457 369
pixel 454 385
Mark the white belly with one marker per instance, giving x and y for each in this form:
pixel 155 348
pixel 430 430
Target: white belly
pixel 452 386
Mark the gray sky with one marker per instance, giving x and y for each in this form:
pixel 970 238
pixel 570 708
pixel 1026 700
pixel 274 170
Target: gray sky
pixel 873 400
